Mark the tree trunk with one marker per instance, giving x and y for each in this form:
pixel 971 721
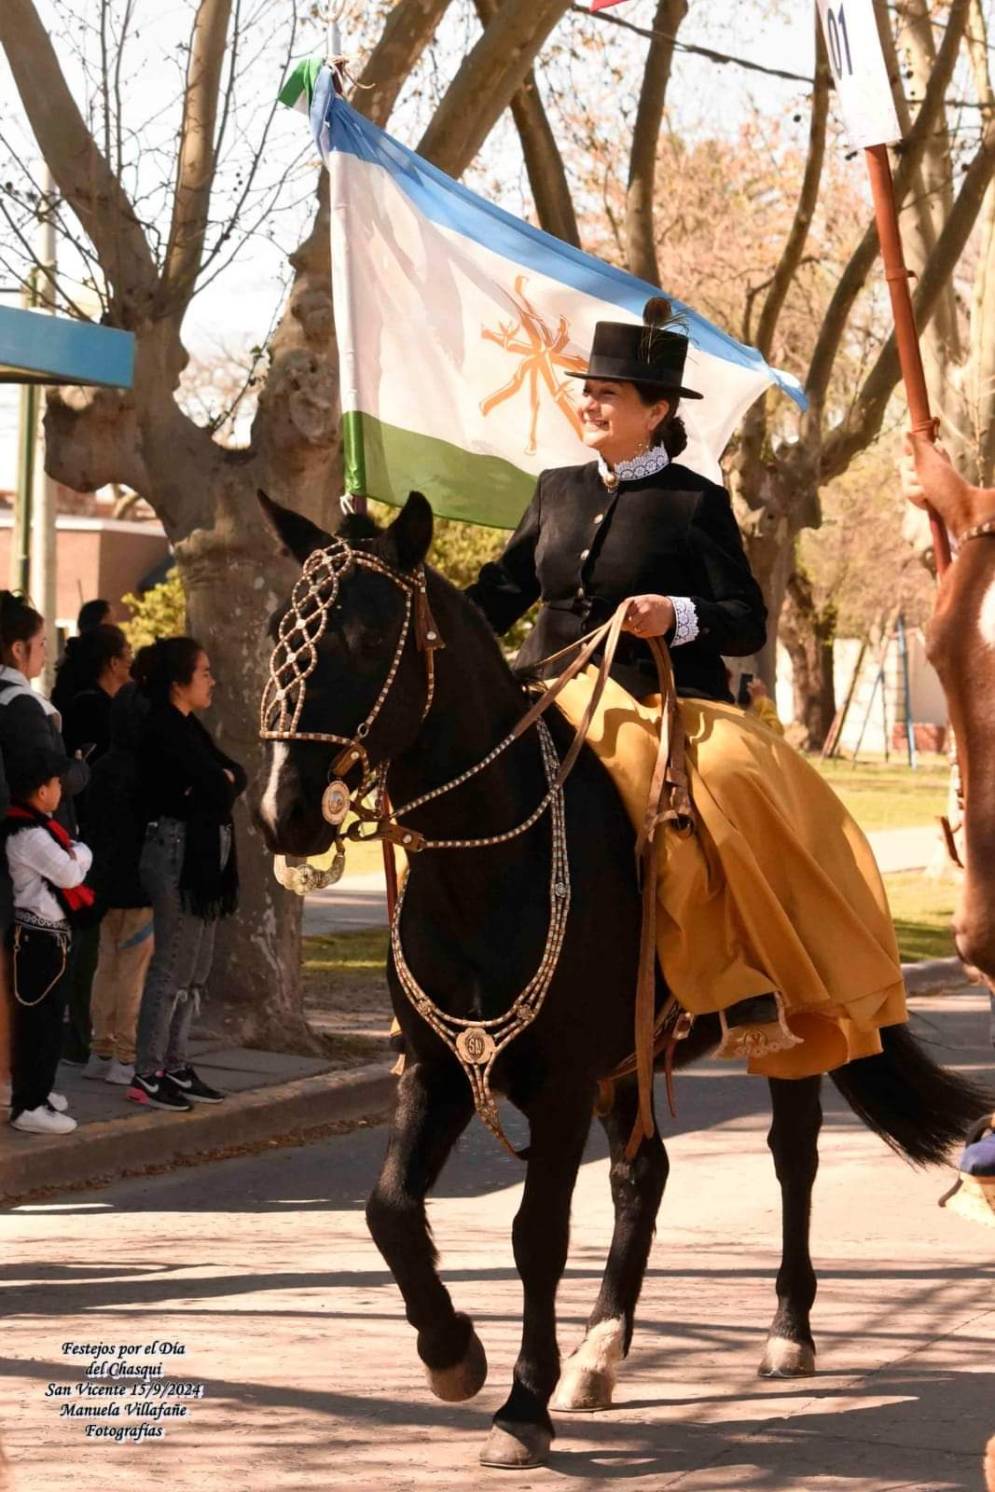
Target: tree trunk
pixel 254 997
pixel 808 635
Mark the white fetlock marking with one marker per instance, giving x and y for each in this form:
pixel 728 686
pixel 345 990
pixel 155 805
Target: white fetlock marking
pixel 587 1379
pixel 786 1359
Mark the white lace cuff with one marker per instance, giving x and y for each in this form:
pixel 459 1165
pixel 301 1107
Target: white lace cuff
pixel 686 613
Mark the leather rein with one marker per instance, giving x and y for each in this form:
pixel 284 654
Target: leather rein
pixel 476 1044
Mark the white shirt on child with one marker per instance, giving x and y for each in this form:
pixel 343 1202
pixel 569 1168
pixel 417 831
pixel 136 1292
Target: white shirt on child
pixel 34 857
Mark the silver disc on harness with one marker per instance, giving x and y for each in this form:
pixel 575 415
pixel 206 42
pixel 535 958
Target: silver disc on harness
pixel 475 1046
pixel 335 802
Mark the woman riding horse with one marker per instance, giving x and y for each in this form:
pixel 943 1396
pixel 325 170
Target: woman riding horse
pixel 773 913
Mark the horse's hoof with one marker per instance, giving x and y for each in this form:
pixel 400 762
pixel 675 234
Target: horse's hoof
pixel 582 1390
pixel 518 1449
pixel 786 1359
pixel 587 1380
pixel 464 1378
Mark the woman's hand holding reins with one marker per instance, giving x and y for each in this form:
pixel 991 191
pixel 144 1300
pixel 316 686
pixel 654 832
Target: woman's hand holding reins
pixel 650 616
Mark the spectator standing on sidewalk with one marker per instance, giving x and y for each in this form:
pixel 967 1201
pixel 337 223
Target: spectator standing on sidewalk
pixel 47 868
pixel 101 665
pixel 188 864
pixel 114 829
pixel 29 724
pixel 67 683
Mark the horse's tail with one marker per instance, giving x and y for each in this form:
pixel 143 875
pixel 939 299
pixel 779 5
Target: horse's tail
pixel 919 1108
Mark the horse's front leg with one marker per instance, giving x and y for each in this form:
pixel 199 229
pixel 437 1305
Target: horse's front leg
pixel 588 1377
pixel 433 1108
pixel 522 1429
pixel 794 1142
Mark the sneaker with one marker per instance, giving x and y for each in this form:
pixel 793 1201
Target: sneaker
pixel 121 1073
pixel 97 1066
pixel 193 1088
pixel 58 1101
pixel 157 1092
pixel 43 1121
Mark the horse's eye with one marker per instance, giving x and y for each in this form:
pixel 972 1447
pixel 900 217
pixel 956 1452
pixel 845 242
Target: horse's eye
pixel 373 642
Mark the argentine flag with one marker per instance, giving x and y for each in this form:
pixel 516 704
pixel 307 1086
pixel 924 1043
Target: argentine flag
pixel 457 324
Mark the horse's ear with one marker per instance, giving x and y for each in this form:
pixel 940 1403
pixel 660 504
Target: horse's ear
pixel 296 534
pixel 410 535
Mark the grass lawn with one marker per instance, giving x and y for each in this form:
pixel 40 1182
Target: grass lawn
pixel 921 907
pixel 889 795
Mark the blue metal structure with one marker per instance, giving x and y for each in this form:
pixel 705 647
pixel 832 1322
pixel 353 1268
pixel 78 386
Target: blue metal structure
pixel 36 347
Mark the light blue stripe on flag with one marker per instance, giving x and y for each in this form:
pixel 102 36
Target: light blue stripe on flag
pixel 446 202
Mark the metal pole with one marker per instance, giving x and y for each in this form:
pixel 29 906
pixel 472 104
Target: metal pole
pixel 27 427
pixel 903 653
pixel 43 504
pixel 906 334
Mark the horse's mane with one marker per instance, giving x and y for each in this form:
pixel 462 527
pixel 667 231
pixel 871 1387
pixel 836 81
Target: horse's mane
pixel 363 531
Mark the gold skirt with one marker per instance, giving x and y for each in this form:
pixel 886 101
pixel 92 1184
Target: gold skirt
pixel 777 891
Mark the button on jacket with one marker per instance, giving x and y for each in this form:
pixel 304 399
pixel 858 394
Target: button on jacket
pixel 581 549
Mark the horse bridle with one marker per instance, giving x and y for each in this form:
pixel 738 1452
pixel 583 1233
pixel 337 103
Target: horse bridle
pixel 295 658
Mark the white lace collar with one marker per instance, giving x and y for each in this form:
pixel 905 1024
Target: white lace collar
pixel 648 464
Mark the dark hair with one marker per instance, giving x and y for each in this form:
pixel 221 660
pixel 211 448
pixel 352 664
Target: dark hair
pixel 93 651
pixel 28 772
pixel 162 664
pixel 659 314
pixel 19 622
pixel 92 614
pixel 670 432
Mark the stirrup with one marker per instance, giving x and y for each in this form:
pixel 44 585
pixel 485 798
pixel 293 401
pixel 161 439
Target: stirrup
pixel 752 1039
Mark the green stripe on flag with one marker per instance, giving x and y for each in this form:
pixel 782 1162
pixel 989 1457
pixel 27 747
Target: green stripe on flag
pixel 386 462
pixel 298 90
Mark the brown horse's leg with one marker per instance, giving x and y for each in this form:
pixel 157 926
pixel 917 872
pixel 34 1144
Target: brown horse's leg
pixel 588 1376
pixel 433 1108
pixel 522 1429
pixel 794 1142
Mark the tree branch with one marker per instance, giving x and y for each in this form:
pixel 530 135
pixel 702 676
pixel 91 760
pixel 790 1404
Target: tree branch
pixel 487 82
pixel 640 238
pixel 863 421
pixel 195 158
pixel 543 162
pixel 81 172
pixel 852 279
pixel 794 245
pixel 407 32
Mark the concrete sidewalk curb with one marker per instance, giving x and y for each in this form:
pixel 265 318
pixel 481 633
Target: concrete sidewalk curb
pixel 111 1148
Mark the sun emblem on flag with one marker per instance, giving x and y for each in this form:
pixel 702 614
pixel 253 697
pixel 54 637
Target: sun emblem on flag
pixel 542 352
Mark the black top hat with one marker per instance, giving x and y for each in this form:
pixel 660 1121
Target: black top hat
pixel 631 353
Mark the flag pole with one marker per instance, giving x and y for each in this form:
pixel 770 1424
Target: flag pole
pixel 906 334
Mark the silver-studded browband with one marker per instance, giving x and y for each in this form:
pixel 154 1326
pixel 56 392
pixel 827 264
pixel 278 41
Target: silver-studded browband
pixel 301 629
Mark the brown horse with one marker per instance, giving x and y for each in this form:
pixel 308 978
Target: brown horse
pixel 960 642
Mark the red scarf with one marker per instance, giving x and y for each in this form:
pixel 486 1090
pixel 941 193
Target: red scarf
pixel 72 899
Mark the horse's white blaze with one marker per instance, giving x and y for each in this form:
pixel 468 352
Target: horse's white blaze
pixel 986 617
pixel 278 761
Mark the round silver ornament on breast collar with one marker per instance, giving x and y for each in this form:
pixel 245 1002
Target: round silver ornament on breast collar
pixel 475 1046
pixel 335 802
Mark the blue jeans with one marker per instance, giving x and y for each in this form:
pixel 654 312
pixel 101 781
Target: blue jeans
pixel 184 952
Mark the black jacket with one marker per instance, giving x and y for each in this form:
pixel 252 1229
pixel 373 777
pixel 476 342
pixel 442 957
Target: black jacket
pixel 183 769
pixel 113 824
pixel 581 549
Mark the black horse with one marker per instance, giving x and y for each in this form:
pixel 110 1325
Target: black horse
pixel 474 927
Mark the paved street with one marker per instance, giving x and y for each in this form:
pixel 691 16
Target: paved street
pixel 260 1267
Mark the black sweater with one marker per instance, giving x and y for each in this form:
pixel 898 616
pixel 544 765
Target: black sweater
pixel 183 770
pixel 581 549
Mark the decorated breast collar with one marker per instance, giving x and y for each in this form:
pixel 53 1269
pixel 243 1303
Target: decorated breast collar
pixel 647 464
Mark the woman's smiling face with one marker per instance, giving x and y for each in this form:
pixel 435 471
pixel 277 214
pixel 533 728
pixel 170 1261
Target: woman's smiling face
pixel 615 422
